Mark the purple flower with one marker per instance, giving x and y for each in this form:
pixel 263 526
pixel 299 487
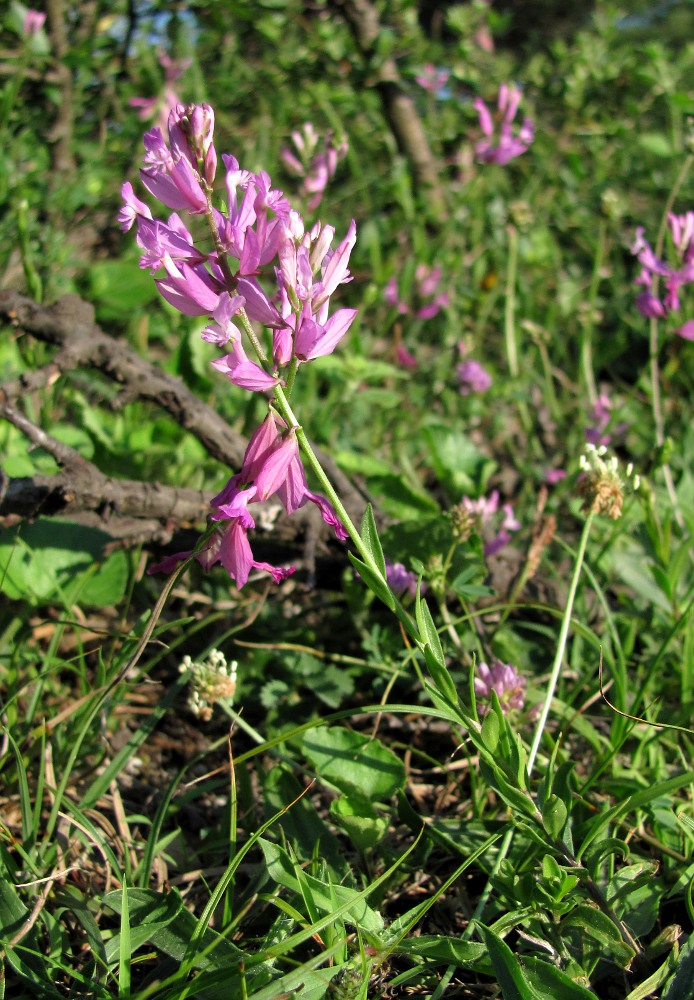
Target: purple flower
pixel 506 146
pixel 554 476
pixel 505 680
pixel 648 302
pixel 485 511
pixel 400 580
pixel 426 283
pixel 472 377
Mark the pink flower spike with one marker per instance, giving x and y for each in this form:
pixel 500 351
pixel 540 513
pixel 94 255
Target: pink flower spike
pixel 686 330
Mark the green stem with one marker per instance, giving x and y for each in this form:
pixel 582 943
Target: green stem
pixel 510 306
pixel 561 644
pixel 587 338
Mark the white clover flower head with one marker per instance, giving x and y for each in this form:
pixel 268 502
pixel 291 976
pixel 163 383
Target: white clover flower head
pixel 211 680
pixel 601 485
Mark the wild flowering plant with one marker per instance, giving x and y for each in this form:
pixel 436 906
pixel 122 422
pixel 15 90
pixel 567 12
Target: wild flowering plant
pixel 314 159
pixel 507 145
pixel 257 236
pixel 649 302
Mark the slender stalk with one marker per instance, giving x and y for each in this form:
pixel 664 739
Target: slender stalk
pixel 561 644
pixel 510 306
pixel 587 338
pixel 541 722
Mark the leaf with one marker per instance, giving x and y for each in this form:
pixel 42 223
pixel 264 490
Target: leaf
pixel 353 761
pixel 446 950
pixel 588 920
pixel 357 910
pixel 554 814
pixel 398 498
pixel 52 558
pixel 507 968
pixel 459 464
pixel 369 536
pixel 549 981
pixel 302 826
pixel 357 817
pixel 373 581
pixel 681 985
pixel 656 143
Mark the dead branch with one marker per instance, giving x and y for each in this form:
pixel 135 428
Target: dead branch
pixel 128 510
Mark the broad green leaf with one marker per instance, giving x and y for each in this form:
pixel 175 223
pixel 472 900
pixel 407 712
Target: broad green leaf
pixel 457 462
pixel 507 968
pixel 354 761
pixel 52 558
pixel 360 821
pixel 551 982
pixel 301 825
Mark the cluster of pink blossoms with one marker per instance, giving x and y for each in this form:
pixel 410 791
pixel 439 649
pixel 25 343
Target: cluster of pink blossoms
pixel 315 161
pixel 505 680
pixel 258 235
pixel 507 145
pixel 653 269
pixel 485 511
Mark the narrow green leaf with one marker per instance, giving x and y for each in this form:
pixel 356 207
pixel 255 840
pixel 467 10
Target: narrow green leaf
pixel 369 536
pixel 125 954
pixel 373 581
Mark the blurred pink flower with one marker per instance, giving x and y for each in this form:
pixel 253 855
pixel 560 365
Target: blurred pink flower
pixel 485 510
pixel 316 162
pixel 506 146
pixel 432 79
pixel 472 377
pixel 34 20
pixel 426 284
pixel 653 269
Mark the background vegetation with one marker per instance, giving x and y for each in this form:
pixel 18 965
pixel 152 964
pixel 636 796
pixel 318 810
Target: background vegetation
pixel 340 837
